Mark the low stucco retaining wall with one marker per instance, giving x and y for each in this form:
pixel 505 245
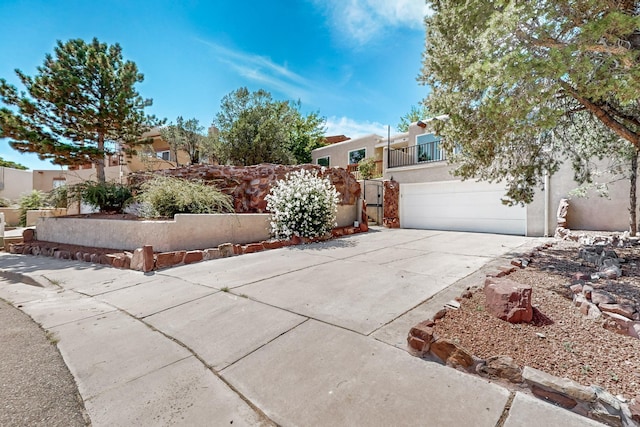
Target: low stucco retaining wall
pixel 11 216
pixel 184 232
pixel 34 214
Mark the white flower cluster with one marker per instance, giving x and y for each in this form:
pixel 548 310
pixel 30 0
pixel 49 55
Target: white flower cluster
pixel 303 204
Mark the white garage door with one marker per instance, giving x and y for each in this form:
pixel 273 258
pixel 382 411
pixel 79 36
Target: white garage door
pixel 459 206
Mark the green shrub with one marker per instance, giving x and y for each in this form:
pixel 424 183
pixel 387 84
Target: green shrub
pixel 106 197
pixel 4 203
pixel 166 196
pixel 58 197
pixel 303 204
pixel 367 168
pixel 34 200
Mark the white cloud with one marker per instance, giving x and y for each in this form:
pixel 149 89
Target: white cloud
pixel 263 70
pixel 354 129
pixel 363 19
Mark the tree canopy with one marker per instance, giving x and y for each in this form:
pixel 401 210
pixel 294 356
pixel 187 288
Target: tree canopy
pixel 415 113
pixel 186 135
pixel 526 84
pixel 9 164
pixel 81 102
pixel 254 128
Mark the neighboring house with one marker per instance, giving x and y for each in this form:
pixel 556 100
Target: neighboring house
pixel 432 198
pixel 348 153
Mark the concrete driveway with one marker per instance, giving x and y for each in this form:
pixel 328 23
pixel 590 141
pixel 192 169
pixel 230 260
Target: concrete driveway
pixel 301 336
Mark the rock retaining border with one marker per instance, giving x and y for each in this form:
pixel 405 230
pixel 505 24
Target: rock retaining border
pixel 145 259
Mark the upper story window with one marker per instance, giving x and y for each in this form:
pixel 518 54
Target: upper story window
pixel 164 155
pixel 428 148
pixel 356 156
pixel 324 161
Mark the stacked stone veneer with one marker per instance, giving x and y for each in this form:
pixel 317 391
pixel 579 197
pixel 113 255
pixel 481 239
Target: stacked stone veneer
pixel 391 215
pixel 592 401
pixel 248 185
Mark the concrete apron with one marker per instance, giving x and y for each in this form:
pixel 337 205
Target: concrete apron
pixel 311 335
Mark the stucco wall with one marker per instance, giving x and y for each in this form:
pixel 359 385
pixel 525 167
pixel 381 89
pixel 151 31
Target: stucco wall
pixel 11 216
pixel 34 214
pixel 339 153
pixel 14 183
pixel 186 231
pixel 592 213
pixel 43 179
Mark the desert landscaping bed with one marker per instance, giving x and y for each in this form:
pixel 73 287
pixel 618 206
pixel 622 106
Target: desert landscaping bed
pixel 584 345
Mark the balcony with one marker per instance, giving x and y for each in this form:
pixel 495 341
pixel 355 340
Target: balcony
pixel 427 152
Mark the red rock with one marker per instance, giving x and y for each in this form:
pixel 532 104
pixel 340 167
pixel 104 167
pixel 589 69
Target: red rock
pixel 507 269
pixel 193 256
pixel 501 367
pixel 272 244
pixel 249 185
pixel 337 232
pixel 622 322
pixel 508 300
pixel 86 257
pixel 28 235
pixel 416 343
pixel 634 329
pixel 587 290
pixel 496 273
pixel 137 260
pixel 148 262
pixel 450 353
pixel 253 247
pixel 554 397
pixel 601 297
pixel 423 330
pixel 169 259
pixel 516 262
pixel 440 314
pixel 625 310
pixel 237 250
pixel 106 259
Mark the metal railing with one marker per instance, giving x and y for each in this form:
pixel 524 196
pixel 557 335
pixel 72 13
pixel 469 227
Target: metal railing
pixel 416 154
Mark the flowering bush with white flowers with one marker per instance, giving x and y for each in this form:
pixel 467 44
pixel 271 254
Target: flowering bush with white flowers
pixel 303 204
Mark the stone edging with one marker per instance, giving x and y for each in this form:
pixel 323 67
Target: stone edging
pixel 144 259
pixel 593 401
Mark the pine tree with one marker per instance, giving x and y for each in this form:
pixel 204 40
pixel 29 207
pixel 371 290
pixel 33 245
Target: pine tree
pixel 80 104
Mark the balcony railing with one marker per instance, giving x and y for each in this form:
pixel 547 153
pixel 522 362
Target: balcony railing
pixel 416 154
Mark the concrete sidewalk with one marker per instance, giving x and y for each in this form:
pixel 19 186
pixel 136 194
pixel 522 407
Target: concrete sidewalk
pixel 308 335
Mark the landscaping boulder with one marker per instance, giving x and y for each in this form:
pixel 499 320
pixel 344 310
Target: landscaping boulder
pixel 508 300
pixel 451 353
pixel 501 367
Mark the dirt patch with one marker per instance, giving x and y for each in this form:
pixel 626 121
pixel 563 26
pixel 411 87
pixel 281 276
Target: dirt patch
pixel 563 342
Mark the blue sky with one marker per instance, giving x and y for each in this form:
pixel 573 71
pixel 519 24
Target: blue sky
pixel 354 61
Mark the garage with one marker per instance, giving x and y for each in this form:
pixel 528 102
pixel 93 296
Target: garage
pixel 460 206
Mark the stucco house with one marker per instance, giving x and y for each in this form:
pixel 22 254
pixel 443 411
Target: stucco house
pixel 431 197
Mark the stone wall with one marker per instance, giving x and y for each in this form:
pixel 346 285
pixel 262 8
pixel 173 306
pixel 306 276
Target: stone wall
pixel 391 204
pixel 248 185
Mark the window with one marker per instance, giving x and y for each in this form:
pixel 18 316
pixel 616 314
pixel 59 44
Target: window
pixel 428 148
pixel 323 161
pixel 356 156
pixel 164 155
pixel 59 182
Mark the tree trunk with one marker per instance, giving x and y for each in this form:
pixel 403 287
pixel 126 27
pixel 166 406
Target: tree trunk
pixel 100 161
pixel 633 223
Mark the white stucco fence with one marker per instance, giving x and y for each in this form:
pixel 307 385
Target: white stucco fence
pixel 185 231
